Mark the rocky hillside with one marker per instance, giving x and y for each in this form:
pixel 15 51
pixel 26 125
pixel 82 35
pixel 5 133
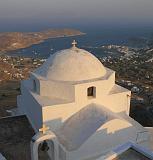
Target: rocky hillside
pixel 16 40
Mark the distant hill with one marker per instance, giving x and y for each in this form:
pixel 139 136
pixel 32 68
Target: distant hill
pixel 10 41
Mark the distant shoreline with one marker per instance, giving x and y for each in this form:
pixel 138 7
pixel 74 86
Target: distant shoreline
pixel 11 41
pixel 18 52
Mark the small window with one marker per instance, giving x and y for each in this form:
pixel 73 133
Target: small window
pixel 91 92
pixel 34 86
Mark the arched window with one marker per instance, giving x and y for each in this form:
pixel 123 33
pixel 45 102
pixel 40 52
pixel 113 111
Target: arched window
pixel 34 85
pixel 91 92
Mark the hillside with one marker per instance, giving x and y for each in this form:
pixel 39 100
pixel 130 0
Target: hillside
pixel 10 41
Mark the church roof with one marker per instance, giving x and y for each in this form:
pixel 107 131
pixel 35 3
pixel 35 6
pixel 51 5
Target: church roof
pixel 78 128
pixel 129 151
pixel 72 64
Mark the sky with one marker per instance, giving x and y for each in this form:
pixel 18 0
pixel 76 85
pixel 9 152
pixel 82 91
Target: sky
pixel 30 14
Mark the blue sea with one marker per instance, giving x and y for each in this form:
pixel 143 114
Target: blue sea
pixel 91 41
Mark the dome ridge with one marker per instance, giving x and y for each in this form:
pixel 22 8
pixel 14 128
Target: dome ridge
pixel 73 64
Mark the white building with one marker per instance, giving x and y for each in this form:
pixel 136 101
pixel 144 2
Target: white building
pixel 84 114
pixel 1 157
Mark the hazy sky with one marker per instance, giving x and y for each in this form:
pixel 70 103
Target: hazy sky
pixel 22 13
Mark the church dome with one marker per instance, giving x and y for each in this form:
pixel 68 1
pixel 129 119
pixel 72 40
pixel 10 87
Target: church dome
pixel 72 64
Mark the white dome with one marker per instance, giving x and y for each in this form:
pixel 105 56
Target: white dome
pixel 72 64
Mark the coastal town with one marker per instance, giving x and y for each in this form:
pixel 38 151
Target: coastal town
pixel 17 68
pixel 134 72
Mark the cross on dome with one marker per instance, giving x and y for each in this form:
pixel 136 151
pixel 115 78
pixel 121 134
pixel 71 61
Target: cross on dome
pixel 74 43
pixel 44 129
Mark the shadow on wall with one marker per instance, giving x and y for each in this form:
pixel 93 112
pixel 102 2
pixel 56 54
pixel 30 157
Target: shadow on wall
pixel 54 124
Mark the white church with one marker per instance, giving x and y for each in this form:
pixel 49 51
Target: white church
pixel 74 105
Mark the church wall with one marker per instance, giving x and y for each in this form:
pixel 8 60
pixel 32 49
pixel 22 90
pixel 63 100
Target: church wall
pixel 35 83
pixel 20 106
pixel 26 83
pixel 102 88
pixel 117 103
pixel 105 140
pixel 55 89
pixel 31 108
pixel 55 115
